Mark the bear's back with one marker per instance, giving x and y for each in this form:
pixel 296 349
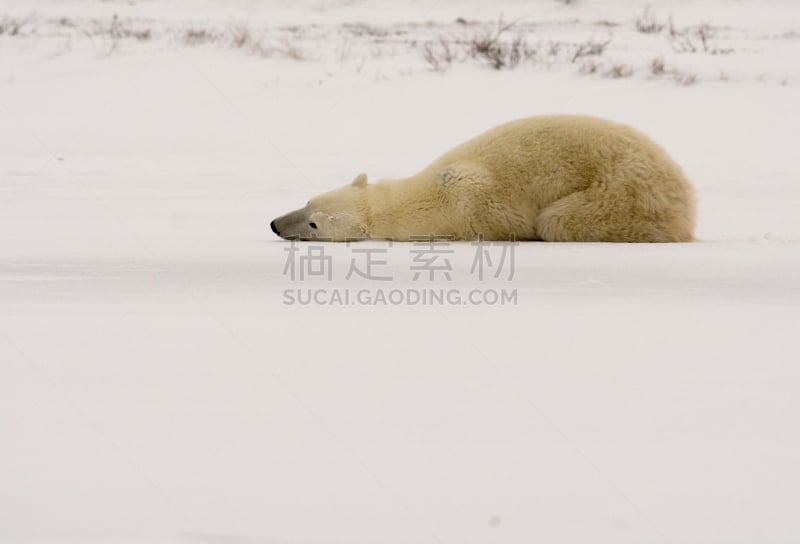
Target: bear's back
pixel 549 157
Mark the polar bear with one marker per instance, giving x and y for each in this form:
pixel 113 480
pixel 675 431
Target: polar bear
pixel 560 178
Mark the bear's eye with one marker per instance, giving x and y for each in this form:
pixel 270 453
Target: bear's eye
pixel 312 225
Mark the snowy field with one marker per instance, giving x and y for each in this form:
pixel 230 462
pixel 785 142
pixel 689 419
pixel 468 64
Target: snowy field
pixel 157 386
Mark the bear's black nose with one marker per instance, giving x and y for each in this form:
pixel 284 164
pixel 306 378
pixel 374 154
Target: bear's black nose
pixel 274 228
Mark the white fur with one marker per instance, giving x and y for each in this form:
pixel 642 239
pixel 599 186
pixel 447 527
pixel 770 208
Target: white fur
pixel 556 178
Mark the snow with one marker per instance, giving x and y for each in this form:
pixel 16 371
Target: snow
pixel 154 386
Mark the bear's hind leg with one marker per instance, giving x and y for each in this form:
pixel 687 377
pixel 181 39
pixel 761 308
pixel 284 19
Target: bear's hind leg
pixel 598 215
pixel 568 220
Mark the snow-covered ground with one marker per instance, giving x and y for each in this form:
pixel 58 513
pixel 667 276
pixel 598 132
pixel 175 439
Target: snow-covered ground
pixel 155 386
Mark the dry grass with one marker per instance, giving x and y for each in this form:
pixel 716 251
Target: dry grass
pixel 364 29
pixel 648 24
pixel 242 36
pixel 118 29
pixel 112 33
pixel 615 71
pixel 500 46
pixel 683 78
pixel 439 54
pixel 590 67
pixel 199 36
pixel 619 71
pixel 493 48
pixel 590 48
pixel 500 54
pixel 11 26
pixel 698 39
pixel 505 46
pixel 658 67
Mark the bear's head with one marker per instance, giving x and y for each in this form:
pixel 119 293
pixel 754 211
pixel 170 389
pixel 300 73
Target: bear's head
pixel 335 216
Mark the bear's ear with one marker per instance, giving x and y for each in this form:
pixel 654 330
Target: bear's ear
pixel 360 181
